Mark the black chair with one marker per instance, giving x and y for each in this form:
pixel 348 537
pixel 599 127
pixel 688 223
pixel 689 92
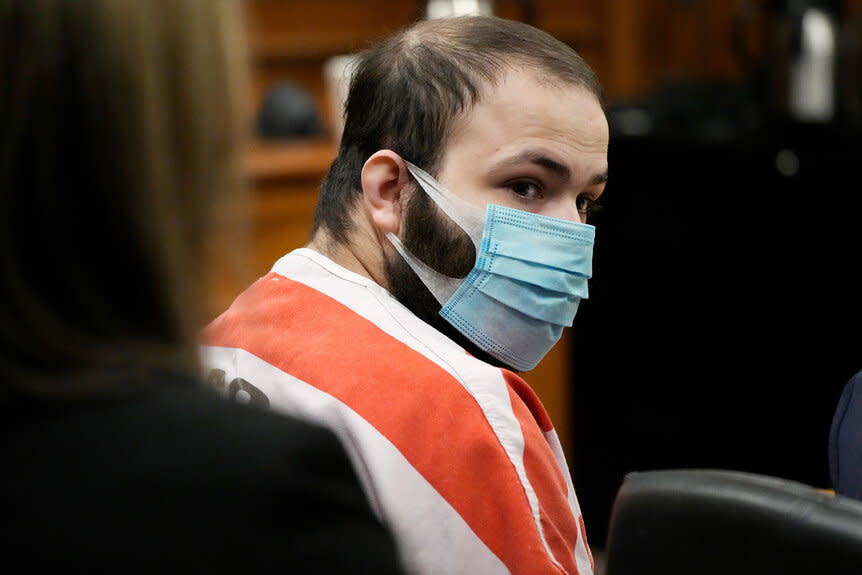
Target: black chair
pixel 288 112
pixel 721 522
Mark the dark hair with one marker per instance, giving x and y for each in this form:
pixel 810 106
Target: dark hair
pixel 120 133
pixel 406 92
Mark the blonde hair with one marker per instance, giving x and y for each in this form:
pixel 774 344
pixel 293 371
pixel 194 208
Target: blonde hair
pixel 122 131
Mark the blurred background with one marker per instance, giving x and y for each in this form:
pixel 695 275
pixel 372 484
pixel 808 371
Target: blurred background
pixel 724 316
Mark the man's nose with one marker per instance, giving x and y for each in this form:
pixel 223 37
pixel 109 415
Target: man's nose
pixel 565 208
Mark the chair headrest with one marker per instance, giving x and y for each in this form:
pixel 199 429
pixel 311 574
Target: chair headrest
pixel 713 521
pixel 288 112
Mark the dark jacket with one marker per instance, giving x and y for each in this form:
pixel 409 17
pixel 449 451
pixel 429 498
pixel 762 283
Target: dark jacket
pixel 173 477
pixel 845 441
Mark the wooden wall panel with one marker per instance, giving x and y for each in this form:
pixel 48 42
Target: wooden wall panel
pixel 284 28
pixel 291 41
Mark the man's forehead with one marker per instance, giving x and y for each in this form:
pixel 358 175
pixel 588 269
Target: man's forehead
pixel 523 112
pixel 526 92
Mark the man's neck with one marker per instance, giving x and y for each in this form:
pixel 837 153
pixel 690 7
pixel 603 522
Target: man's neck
pixel 360 257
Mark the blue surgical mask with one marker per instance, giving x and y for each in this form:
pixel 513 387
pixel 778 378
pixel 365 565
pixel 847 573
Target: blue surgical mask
pixel 530 274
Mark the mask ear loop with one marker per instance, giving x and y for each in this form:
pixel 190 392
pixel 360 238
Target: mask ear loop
pixel 470 218
pixel 441 286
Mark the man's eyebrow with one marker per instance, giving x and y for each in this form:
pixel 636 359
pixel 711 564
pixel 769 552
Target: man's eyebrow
pixel 558 169
pixel 599 178
pixel 540 159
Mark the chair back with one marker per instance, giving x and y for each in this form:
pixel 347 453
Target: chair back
pixel 722 522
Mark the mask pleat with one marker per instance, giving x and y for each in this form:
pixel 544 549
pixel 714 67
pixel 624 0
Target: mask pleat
pixel 546 305
pixel 529 274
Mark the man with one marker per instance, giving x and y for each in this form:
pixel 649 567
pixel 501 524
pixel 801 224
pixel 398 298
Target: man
pixel 403 322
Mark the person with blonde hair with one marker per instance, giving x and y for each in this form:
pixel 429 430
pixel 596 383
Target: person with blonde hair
pixel 122 134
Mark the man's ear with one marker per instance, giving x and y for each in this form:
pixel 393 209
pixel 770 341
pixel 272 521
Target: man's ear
pixel 384 176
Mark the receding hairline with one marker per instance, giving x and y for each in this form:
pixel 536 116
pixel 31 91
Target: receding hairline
pixel 487 88
pixel 451 36
pixel 552 63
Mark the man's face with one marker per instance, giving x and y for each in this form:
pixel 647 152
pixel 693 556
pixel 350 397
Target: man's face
pixel 531 145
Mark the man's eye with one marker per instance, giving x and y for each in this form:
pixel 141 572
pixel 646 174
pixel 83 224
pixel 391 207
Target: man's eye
pixel 525 189
pixel 587 206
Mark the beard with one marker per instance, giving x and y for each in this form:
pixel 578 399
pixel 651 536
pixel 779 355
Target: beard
pixel 442 245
